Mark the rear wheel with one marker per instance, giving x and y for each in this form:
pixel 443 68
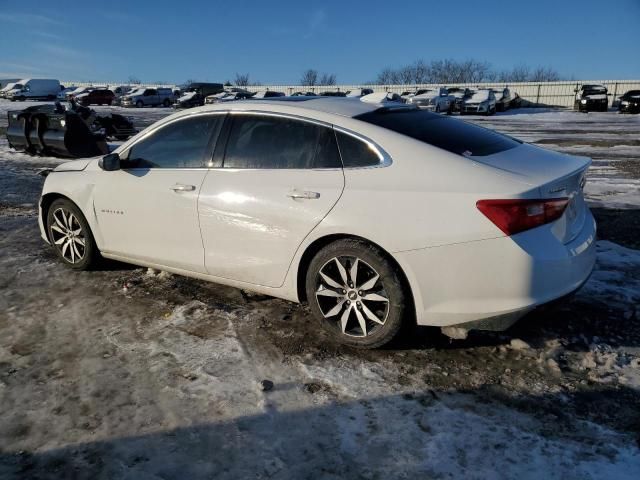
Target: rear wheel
pixel 166 103
pixel 356 293
pixel 70 235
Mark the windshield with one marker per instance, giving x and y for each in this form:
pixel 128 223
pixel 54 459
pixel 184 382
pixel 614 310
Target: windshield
pixel 632 93
pixel 480 95
pixel 449 134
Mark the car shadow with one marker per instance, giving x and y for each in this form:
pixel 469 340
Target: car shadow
pixel 412 435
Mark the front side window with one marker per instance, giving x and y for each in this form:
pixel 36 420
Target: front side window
pixel 269 142
pixel 181 144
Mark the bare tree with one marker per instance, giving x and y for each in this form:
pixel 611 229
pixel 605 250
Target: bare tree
pixel 519 73
pixel 328 79
pixel 309 78
pixel 544 74
pixel 242 80
pixel 386 77
pixel 133 80
pixel 448 71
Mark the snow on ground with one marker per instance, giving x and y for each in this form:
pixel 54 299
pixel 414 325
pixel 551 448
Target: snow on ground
pixel 130 373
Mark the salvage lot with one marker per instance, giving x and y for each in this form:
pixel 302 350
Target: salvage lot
pixel 129 373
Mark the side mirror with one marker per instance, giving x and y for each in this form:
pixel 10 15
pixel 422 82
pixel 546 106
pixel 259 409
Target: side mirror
pixel 110 163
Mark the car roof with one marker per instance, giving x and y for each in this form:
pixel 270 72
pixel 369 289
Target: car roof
pixel 343 106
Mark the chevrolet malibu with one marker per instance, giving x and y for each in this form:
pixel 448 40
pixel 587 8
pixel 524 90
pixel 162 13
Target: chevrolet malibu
pixel 374 214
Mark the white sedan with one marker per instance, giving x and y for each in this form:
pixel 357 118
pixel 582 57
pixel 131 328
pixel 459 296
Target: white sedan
pixel 374 214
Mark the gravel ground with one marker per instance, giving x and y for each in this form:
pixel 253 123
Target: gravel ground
pixel 129 373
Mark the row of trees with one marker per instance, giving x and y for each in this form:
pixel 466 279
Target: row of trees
pixel 436 71
pixel 467 71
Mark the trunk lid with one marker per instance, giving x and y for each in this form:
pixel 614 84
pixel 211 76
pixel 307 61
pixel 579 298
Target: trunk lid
pixel 552 175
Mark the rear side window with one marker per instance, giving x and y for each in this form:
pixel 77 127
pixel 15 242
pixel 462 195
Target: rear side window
pixel 356 152
pixel 181 144
pixel 443 132
pixel 268 142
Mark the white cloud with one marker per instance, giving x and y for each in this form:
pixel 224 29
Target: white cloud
pixel 29 19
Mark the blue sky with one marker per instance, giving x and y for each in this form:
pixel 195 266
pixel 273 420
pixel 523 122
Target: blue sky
pixel 275 41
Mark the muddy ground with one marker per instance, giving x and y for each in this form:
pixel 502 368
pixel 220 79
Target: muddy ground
pixel 129 373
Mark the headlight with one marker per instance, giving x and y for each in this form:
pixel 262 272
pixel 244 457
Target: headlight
pixel 63 123
pixel 624 102
pixel 583 101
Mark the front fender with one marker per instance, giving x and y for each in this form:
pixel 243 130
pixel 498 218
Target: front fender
pixel 77 186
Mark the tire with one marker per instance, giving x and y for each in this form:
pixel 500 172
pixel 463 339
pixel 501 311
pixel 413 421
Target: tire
pixel 166 103
pixel 437 108
pixel 139 104
pixel 67 229
pixel 21 99
pixel 339 301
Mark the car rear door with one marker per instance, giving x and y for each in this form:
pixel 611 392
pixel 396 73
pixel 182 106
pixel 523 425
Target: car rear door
pixel 148 210
pixel 277 178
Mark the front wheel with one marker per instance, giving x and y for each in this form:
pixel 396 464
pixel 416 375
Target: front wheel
pixel 139 104
pixel 356 293
pixel 70 235
pixel 166 103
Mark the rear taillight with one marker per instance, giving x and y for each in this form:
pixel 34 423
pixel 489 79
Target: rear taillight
pixel 513 216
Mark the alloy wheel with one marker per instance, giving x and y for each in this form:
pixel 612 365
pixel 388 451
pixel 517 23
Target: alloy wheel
pixel 68 236
pixel 351 295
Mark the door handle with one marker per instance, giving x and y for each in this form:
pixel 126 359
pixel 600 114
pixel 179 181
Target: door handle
pixel 303 195
pixel 179 187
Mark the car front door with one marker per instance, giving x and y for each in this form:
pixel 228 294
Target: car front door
pixel 148 209
pixel 279 178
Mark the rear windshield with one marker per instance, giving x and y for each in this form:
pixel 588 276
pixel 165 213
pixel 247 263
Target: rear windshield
pixel 443 132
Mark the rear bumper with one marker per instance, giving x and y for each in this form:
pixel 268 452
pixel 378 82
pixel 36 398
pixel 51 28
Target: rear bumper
pixel 490 284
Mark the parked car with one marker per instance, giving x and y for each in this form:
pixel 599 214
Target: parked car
pixel 34 89
pixel 406 95
pixel 78 91
pixel 144 97
pixel 630 102
pixel 7 88
pixel 436 99
pixel 516 101
pixel 6 81
pixel 457 94
pixel 267 94
pixel 98 96
pixel 359 92
pixel 62 94
pixel 503 98
pixel 482 101
pixel 333 93
pixel 52 130
pixel 382 97
pixel 227 97
pixel 304 94
pixel 374 214
pixel 194 94
pixel 591 98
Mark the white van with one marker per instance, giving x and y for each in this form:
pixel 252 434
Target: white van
pixel 35 89
pixel 6 81
pixel 8 88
